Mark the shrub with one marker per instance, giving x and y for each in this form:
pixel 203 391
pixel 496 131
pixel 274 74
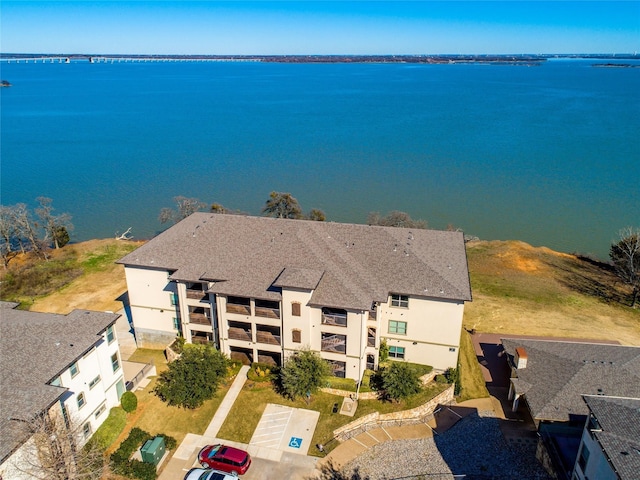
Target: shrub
pixel 129 402
pixel 441 379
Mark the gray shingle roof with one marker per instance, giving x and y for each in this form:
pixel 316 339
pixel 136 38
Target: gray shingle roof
pixel 559 373
pixel 34 349
pixel 352 265
pixel 619 419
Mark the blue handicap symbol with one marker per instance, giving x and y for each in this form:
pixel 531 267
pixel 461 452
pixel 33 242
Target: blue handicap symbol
pixel 295 442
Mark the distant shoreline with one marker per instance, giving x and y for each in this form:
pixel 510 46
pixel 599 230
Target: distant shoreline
pixel 528 60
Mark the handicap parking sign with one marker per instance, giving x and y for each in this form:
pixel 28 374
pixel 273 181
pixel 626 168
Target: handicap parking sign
pixel 295 442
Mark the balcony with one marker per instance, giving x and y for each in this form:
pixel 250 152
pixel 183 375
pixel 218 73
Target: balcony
pixel 268 335
pixel 334 343
pixel 239 334
pixel 199 318
pixel 239 309
pixel 331 316
pixel 371 337
pixel 240 331
pixel 268 309
pixel 196 294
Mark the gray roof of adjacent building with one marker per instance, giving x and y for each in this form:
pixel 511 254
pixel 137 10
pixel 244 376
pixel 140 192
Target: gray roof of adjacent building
pixel 345 265
pixel 619 434
pixel 558 373
pixel 35 348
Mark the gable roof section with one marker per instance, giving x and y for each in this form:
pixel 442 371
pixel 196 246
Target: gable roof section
pixel 352 265
pixel 619 419
pixel 559 373
pixel 35 348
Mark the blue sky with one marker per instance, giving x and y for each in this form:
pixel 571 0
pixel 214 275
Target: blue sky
pixel 309 27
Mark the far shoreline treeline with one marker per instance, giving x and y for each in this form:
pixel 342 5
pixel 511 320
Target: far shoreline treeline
pixel 498 59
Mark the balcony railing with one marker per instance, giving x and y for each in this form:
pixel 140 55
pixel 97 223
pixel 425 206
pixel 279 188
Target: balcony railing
pixel 239 334
pixel 267 312
pixel 336 344
pixel 199 318
pixel 240 309
pixel 201 340
pixel 267 337
pixel 334 319
pixel 196 294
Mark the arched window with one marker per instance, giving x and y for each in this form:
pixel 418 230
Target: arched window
pixel 296 336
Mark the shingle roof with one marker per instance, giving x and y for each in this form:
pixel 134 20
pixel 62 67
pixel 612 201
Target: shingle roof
pixel 34 349
pixel 352 265
pixel 559 373
pixel 619 419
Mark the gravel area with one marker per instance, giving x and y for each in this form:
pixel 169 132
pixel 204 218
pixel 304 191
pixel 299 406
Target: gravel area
pixel 474 447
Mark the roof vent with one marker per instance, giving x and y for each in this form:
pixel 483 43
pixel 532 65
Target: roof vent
pixel 520 358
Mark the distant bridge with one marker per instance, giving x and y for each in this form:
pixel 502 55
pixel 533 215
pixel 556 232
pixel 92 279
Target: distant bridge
pixel 120 59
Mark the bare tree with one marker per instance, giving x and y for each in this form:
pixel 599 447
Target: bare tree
pixel 57 450
pixel 625 255
pixel 282 205
pixel 8 234
pixel 27 232
pixel 395 219
pixel 184 207
pixel 56 227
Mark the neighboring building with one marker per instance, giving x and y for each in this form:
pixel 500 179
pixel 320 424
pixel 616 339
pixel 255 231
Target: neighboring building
pixel 610 445
pixel 261 288
pixel 59 365
pixel 551 377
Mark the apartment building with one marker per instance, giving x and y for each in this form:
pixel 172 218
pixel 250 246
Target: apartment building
pixel 57 366
pixel 261 288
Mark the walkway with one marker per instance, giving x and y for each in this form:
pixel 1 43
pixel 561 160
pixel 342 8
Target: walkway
pixel 228 401
pixel 444 419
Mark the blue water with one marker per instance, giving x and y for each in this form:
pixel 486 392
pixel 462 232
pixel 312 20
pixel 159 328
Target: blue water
pixel 549 154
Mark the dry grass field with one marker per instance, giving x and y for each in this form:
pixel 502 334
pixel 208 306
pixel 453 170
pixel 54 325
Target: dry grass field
pixel 524 290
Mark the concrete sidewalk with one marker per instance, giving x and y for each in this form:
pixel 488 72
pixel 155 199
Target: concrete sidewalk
pixel 228 401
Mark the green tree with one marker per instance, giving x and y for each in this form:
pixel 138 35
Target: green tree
pixel 192 378
pixel 316 215
pixel 395 219
pixel 399 381
pixel 303 374
pixel 625 255
pixel 282 205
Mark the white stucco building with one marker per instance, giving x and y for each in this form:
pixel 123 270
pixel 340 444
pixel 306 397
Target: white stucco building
pixel 261 288
pixel 66 366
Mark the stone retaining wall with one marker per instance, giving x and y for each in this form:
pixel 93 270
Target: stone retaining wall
pixel 374 420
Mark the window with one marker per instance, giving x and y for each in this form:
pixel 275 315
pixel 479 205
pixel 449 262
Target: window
pixel 81 400
pixel 176 323
pixel 333 343
pixel 111 334
pixel 296 336
pixel 295 309
pixel 86 430
pixel 74 369
pixel 115 363
pixel 399 300
pixel 399 328
pixel 584 458
pixel 94 382
pixel 174 298
pixel 396 352
pixel 101 409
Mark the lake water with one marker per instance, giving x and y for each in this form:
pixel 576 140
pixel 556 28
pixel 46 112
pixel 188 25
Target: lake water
pixel 549 154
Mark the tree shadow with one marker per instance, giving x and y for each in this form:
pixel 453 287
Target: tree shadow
pixel 590 277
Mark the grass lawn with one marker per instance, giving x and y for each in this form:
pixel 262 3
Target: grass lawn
pixel 254 398
pixel 471 380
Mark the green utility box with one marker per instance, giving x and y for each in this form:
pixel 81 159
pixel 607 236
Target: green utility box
pixel 153 450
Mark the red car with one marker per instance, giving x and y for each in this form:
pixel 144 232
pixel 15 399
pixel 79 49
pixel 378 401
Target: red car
pixel 228 459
